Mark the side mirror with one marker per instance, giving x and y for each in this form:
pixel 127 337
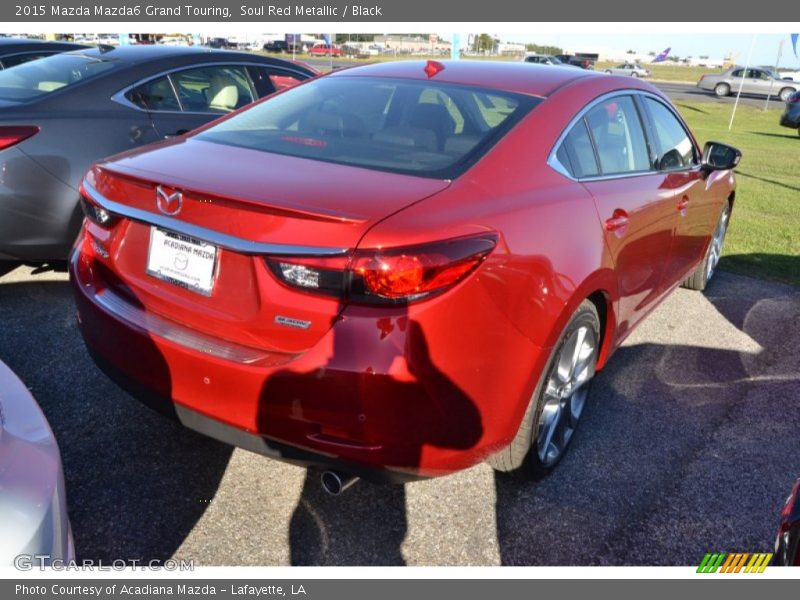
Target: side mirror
pixel 720 157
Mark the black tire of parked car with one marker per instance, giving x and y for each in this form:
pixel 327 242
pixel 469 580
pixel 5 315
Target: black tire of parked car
pixel 701 276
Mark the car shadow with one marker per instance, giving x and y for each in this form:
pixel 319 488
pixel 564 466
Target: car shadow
pixel 774 135
pixel 661 471
pixel 137 483
pixel 794 188
pixel 692 108
pixel 430 411
pixel 784 268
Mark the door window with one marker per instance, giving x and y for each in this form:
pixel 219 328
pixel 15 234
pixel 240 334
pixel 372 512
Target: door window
pixel 674 146
pixel 218 89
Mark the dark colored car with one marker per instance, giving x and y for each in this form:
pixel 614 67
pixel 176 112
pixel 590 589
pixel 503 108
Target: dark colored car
pixel 787 546
pixel 219 43
pixel 276 46
pixel 791 116
pixel 61 113
pixel 576 61
pixel 15 51
pixel 399 270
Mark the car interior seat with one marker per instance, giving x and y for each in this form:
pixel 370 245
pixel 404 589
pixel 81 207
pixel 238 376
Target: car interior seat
pixel 435 118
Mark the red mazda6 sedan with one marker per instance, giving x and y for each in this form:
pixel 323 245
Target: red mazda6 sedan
pixel 398 270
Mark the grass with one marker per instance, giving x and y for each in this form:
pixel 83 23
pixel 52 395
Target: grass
pixel 764 235
pixel 667 71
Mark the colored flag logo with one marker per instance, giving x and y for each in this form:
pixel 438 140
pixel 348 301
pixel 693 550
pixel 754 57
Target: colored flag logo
pixel 739 562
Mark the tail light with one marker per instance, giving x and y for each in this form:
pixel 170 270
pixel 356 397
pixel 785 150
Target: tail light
pixel 96 213
pixel 387 276
pixel 13 135
pixel 794 98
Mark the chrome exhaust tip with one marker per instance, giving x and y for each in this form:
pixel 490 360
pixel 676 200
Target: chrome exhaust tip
pixel 334 483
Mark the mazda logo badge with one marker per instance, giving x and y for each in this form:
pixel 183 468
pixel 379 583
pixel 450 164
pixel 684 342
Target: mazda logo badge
pixel 169 204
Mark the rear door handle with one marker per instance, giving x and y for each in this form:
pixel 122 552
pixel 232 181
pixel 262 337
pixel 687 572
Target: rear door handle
pixel 618 222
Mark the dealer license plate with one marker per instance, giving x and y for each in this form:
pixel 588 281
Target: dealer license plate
pixel 182 260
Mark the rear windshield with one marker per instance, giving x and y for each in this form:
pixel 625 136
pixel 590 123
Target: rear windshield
pixel 403 126
pixel 38 78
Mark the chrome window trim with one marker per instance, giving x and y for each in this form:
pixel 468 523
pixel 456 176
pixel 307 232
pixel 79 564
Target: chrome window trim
pixel 119 97
pixel 219 239
pixel 556 165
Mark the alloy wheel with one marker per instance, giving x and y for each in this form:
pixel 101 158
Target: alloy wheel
pixel 717 240
pixel 565 394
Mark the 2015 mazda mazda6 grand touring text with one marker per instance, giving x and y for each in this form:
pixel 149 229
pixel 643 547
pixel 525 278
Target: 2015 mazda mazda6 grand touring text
pixel 400 270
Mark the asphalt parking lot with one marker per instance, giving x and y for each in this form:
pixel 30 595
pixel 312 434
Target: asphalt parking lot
pixel 689 445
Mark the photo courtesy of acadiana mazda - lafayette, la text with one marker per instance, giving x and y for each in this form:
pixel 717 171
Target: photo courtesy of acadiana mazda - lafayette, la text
pixel 399 270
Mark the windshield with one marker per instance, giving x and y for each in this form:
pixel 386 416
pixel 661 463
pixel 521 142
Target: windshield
pixel 403 126
pixel 38 78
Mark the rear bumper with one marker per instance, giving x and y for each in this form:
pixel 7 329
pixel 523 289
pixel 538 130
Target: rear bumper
pixel 389 397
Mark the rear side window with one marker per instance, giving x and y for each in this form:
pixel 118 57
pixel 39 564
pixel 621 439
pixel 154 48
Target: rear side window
pixel 618 136
pixel 577 154
pixel 18 59
pixel 37 78
pixel 422 128
pixel 675 147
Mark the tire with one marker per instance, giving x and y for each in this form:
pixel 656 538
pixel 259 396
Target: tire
pixel 722 89
pixel 634 74
pixel 529 456
pixel 708 266
pixel 608 71
pixel 785 93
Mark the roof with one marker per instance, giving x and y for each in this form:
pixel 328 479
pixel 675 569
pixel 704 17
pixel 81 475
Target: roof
pixel 520 77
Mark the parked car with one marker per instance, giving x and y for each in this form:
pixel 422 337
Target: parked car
pixel 542 59
pixel 33 502
pixel 219 43
pixel 276 46
pixel 325 50
pixel 577 61
pixel 61 113
pixel 15 51
pixel 791 116
pixel 787 545
pixel 629 69
pixel 402 269
pixel 751 81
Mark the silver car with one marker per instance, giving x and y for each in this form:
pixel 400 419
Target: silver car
pixel 33 505
pixel 751 80
pixel 629 69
